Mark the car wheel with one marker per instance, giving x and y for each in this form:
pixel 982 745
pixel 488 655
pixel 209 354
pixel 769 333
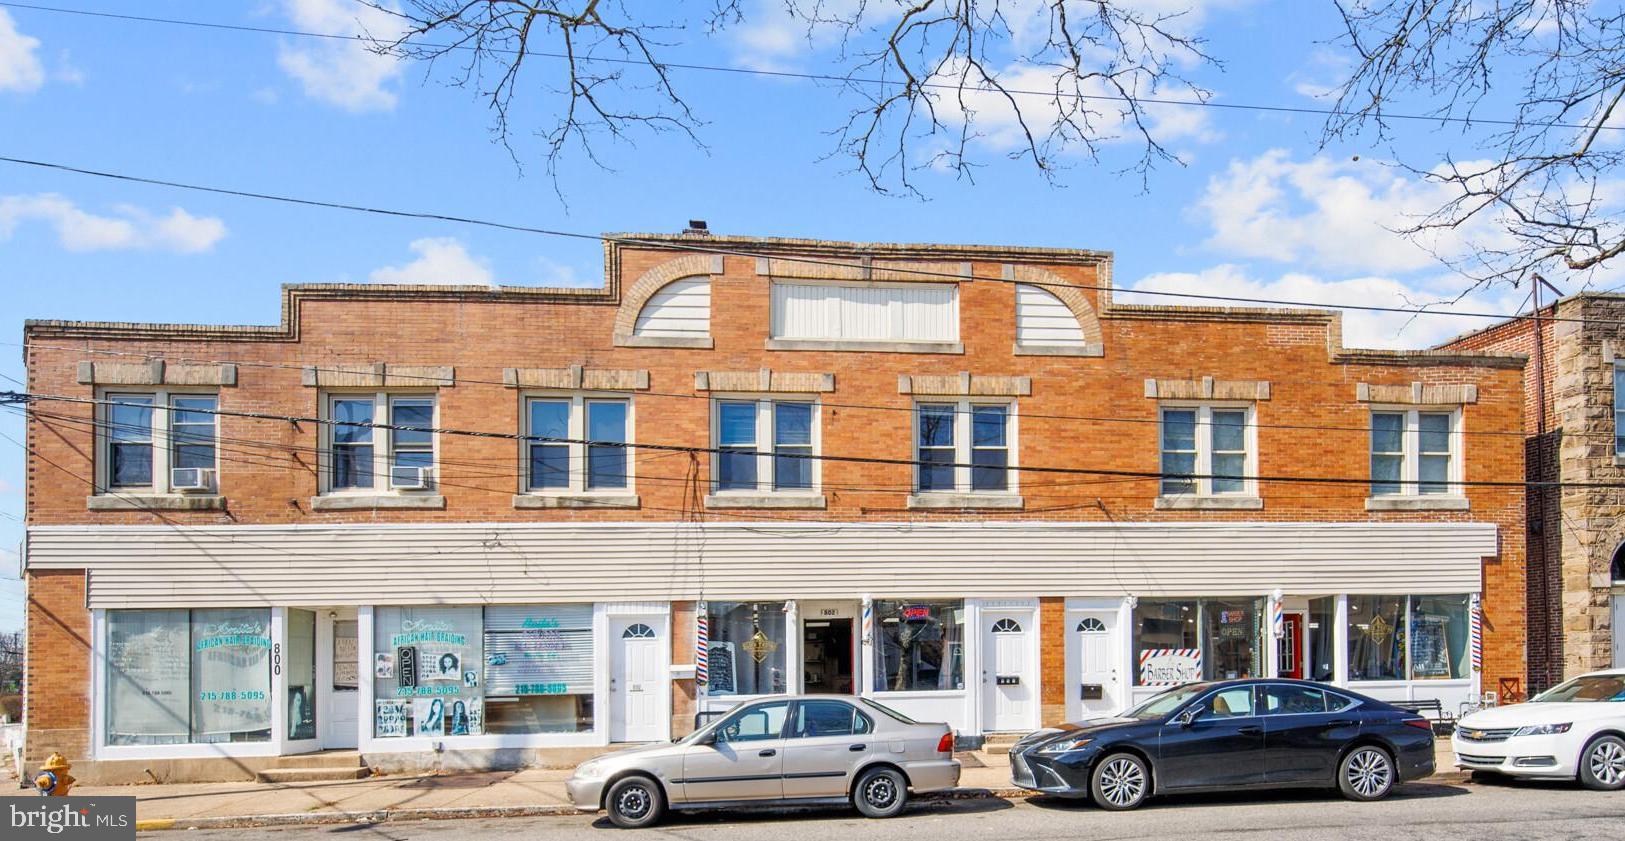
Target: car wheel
pixel 1367 773
pixel 880 793
pixel 1602 764
pixel 635 802
pixel 1121 781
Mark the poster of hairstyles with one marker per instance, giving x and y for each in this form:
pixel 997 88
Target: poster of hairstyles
pixel 429 716
pixel 389 719
pixel 446 666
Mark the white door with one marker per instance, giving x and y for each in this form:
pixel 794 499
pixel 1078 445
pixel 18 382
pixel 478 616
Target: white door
pixel 1008 686
pixel 637 680
pixel 1097 684
pixel 343 675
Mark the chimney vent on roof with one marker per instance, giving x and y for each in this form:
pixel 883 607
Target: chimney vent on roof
pixel 697 227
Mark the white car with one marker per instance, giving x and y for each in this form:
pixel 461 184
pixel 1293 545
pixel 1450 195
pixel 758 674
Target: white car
pixel 1575 730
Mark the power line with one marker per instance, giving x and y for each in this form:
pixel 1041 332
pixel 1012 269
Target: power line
pixel 747 252
pixel 802 76
pixel 825 457
pixel 823 403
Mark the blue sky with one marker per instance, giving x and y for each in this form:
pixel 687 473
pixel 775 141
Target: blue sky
pixel 1259 208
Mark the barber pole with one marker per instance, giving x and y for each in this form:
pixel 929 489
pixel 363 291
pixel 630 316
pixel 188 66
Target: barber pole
pixel 868 621
pixel 1475 633
pixel 1277 616
pixel 702 636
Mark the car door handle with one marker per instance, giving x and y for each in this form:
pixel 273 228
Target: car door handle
pixel 1342 722
pixel 858 747
pixel 767 752
pixel 1250 730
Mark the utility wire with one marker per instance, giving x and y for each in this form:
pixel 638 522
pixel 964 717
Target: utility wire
pixel 372 42
pixel 825 457
pixel 747 252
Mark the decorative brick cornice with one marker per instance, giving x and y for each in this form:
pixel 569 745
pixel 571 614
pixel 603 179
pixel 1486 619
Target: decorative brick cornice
pixel 155 372
pixel 864 269
pixel 577 377
pixel 765 380
pixel 964 384
pixel 1207 388
pixel 652 281
pixel 1417 394
pixel 378 375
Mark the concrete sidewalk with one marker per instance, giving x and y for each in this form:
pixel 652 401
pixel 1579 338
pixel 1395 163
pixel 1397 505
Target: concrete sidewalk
pixel 467 795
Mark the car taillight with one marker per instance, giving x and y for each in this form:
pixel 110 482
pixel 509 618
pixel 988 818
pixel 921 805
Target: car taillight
pixel 946 743
pixel 1419 723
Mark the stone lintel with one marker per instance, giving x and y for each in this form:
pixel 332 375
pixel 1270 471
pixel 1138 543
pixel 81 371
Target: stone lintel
pixel 1417 394
pixel 156 372
pixel 1207 388
pixel 577 377
pixel 964 384
pixel 765 380
pixel 379 375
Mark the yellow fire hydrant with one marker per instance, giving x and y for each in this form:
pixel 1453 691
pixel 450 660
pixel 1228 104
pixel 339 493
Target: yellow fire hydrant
pixel 53 779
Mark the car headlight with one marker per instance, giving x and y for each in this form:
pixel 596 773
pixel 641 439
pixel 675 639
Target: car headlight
pixel 1063 746
pixel 587 770
pixel 1544 729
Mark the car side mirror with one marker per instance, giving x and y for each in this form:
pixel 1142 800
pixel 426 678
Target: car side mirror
pixel 707 738
pixel 1187 718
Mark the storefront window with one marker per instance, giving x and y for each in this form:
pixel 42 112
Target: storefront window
pixel 1230 639
pixel 538 670
pixel 1438 637
pixel 745 653
pixel 301 670
pixel 1376 632
pixel 1322 665
pixel 427 667
pixel 920 645
pixel 177 676
pixel 148 677
pixel 1167 647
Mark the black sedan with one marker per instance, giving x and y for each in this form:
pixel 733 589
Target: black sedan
pixel 1227 735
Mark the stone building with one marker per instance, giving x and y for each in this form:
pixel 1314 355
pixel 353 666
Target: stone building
pixel 458 526
pixel 1575 396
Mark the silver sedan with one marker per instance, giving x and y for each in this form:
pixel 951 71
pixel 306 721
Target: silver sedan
pixel 808 749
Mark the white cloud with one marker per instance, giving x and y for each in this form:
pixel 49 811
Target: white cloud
pixel 20 67
pixel 439 260
pixel 342 73
pixel 129 228
pixel 1341 215
pixel 1360 329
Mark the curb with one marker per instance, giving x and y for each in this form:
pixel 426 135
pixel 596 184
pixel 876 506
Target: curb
pixel 453 813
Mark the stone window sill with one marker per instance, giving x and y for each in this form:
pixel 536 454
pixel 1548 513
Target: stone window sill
pixel 583 500
pixel 872 347
pixel 764 500
pixel 155 502
pixel 1420 502
pixel 1095 349
pixel 950 501
pixel 1209 503
pixel 373 502
pixel 690 342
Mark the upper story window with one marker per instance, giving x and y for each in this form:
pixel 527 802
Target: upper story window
pixel 1414 452
pixel 366 458
pixel 680 310
pixel 1206 450
pixel 159 442
pixel 577 444
pixel 866 312
pixel 765 445
pixel 1619 411
pixel 964 446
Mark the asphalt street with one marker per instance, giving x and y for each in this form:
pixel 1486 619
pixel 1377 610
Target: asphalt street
pixel 1457 812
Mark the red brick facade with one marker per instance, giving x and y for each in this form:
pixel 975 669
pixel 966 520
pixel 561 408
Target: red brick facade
pixel 1311 425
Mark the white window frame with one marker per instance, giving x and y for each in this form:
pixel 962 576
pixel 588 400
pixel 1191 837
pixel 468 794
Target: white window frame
pixel 577 433
pixel 162 436
pixel 1619 414
pixel 895 312
pixel 1204 447
pixel 963 421
pixel 765 408
pixel 1410 472
pixel 383 441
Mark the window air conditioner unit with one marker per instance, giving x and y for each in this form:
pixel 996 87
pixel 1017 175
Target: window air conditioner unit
pixel 191 479
pixel 409 478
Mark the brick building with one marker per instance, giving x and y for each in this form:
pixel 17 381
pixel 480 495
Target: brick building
pixel 1574 393
pixel 961 480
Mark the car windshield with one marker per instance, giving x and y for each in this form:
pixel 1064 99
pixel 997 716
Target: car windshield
pixel 1161 705
pixel 1587 688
